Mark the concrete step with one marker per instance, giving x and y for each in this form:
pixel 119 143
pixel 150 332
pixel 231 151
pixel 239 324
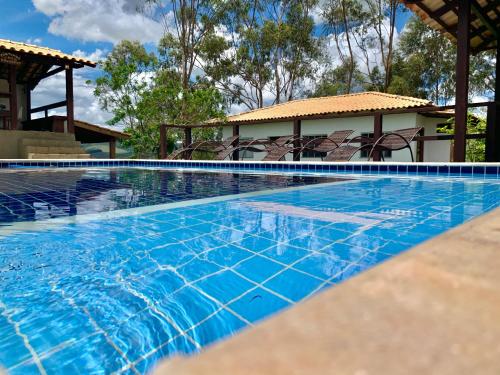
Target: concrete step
pixel 53 150
pixel 58 156
pixel 49 142
pixel 49 135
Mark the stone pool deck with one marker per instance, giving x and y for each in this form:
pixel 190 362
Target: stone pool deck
pixel 432 310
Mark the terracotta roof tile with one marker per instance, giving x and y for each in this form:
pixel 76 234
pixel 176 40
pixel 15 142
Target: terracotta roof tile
pixel 41 51
pixel 331 105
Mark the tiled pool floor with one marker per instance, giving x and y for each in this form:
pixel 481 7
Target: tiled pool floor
pixel 118 294
pixel 28 195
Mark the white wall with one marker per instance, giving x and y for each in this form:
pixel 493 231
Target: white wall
pixel 434 151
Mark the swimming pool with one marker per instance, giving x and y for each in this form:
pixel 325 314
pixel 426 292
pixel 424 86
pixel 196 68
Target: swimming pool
pixel 124 272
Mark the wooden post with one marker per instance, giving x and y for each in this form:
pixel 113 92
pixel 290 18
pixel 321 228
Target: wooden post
pixel 13 97
pixel 420 147
pixel 163 141
pixel 112 148
pixel 70 105
pixel 236 132
pixel 187 142
pixel 462 88
pixel 28 101
pixel 297 132
pixel 493 120
pixel 377 133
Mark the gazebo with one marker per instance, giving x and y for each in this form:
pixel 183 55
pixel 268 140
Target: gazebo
pixel 23 66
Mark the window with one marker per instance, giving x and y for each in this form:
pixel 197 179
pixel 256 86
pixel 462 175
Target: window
pixel 366 151
pixel 245 154
pixel 310 153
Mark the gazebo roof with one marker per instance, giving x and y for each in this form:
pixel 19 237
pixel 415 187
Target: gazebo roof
pixel 442 15
pixel 33 62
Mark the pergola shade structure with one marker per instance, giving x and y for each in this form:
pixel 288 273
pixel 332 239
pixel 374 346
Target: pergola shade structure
pixel 474 25
pixel 23 66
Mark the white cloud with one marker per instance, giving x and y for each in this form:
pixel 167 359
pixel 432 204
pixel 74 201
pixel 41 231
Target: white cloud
pixel 36 41
pixel 96 56
pixel 99 21
pixel 53 89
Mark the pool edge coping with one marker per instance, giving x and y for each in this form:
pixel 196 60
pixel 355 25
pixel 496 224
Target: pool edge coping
pixel 420 312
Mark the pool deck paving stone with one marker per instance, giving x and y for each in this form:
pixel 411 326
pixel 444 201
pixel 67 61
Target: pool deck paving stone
pixel 433 310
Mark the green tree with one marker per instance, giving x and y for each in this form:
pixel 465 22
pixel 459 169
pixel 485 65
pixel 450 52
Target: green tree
pixel 142 92
pixel 425 66
pixel 269 50
pixel 475 148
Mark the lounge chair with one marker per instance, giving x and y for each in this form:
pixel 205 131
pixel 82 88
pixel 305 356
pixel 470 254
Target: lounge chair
pixel 390 141
pixel 395 141
pixel 209 146
pixel 246 146
pixel 327 144
pixel 279 148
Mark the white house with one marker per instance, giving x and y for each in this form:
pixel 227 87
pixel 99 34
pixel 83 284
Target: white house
pixel 321 116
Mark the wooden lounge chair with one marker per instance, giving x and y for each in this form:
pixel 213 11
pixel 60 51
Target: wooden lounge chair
pixel 209 146
pixel 327 144
pixel 279 148
pixel 395 141
pixel 246 146
pixel 391 141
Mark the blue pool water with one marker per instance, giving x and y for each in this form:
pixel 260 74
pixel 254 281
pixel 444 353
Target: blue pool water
pixel 117 294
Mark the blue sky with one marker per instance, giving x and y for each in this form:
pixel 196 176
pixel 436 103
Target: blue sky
pixel 87 28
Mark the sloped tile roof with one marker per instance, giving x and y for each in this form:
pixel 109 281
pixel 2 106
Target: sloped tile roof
pixel 8 45
pixel 331 105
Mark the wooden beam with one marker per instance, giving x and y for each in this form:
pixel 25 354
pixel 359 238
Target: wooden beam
pixel 13 97
pixel 297 133
pixel 377 133
pixel 70 105
pixel 50 73
pixel 163 141
pixel 462 84
pixel 485 19
pixel 236 132
pixel 48 107
pixel 421 147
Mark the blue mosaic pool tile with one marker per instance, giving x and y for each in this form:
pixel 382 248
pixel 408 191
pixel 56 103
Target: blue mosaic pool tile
pixel 257 305
pixel 198 268
pixel 293 285
pixel 322 266
pixel 91 355
pixel 155 331
pixel 258 268
pixel 285 254
pixel 228 256
pixel 224 286
pixel 187 307
pixel 223 323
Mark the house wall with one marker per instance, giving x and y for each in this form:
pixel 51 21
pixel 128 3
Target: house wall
pixel 22 111
pixel 434 151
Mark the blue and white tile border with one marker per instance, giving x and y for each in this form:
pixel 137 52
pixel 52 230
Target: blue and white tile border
pixel 426 169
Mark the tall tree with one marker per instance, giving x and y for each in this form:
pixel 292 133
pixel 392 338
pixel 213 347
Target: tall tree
pixel 268 51
pixel 425 66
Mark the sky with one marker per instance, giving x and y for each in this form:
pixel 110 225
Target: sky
pixel 87 28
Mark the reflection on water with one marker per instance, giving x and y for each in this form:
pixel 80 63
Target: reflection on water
pixel 37 195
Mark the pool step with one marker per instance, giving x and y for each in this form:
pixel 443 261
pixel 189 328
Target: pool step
pixel 58 156
pixel 48 145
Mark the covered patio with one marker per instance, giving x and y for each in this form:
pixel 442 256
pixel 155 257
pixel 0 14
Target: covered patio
pixel 474 26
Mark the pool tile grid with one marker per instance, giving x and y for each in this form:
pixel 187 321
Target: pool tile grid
pixel 273 276
pixel 451 169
